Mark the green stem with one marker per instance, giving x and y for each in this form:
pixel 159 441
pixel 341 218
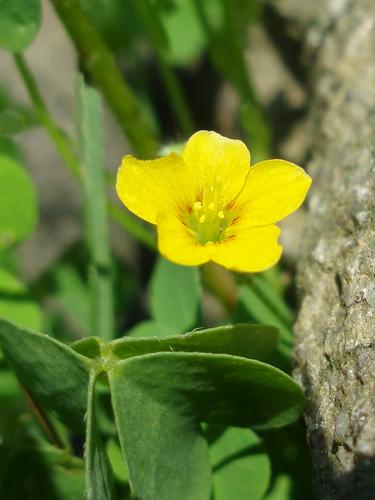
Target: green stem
pixel 104 72
pixel 157 36
pixel 59 139
pixel 243 82
pixel 180 107
pixel 67 152
pixel 89 119
pixel 252 116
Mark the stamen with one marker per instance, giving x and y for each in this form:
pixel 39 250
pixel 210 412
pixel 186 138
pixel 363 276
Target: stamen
pixel 208 217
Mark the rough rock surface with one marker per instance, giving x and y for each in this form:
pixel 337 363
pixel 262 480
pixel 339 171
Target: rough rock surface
pixel 335 329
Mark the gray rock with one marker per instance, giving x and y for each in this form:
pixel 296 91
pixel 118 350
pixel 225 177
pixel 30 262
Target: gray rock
pixel 335 330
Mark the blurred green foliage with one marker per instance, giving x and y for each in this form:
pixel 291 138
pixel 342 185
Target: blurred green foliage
pixel 19 23
pixel 132 406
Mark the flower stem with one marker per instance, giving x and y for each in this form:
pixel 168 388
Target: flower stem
pixel 89 121
pixel 101 66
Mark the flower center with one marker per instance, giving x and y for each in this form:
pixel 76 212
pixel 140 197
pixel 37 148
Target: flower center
pixel 208 218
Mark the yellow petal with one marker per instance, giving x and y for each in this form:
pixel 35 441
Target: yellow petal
pixel 152 186
pixel 177 244
pixel 273 190
pixel 215 161
pixel 250 250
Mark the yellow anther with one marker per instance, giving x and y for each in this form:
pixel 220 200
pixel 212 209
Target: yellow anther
pixel 198 205
pixel 211 206
pixel 211 188
pixel 202 218
pixel 221 214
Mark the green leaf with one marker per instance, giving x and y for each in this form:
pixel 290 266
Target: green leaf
pixel 175 295
pixel 119 466
pixel 184 32
pixel 89 347
pixel 19 23
pixel 99 480
pixel 165 451
pixel 282 488
pixel 54 374
pixel 15 303
pixel 170 393
pixel 249 341
pixel 216 388
pixel 187 39
pixel 241 468
pixel 18 202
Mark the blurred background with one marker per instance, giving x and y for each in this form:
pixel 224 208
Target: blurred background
pixel 164 69
pixel 233 66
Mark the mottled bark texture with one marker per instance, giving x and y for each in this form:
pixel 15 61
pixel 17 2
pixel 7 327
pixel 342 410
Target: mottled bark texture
pixel 335 328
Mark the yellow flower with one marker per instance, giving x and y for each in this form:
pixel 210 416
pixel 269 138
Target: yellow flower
pixel 210 205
